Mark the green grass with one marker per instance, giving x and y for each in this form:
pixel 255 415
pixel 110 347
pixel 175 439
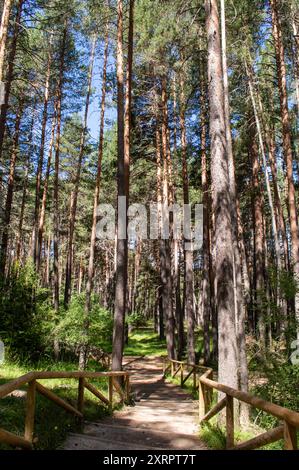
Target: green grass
pixel 52 423
pixel 144 342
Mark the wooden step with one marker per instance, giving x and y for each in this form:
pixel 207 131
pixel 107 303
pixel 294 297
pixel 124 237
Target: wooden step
pixel 84 442
pixel 140 436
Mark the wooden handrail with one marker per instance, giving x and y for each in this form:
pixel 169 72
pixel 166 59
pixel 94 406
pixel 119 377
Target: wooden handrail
pixel 34 386
pixel 290 418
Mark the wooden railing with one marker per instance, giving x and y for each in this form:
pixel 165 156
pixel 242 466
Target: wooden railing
pixel 287 430
pixel 31 379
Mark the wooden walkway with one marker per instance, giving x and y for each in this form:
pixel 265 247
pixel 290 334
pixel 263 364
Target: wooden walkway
pixel 164 416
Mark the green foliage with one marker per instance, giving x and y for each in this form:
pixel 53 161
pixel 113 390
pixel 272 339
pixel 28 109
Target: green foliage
pixel 281 387
pixel 136 319
pixel 22 329
pixel 71 324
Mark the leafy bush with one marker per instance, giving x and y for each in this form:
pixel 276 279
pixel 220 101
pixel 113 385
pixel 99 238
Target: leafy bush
pixel 69 330
pixel 21 320
pixel 136 320
pixel 281 387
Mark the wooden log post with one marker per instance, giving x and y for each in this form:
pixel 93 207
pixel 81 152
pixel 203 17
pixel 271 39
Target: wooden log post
pixel 81 385
pixel 172 369
pixel 182 375
pixel 110 393
pixel 127 388
pixel 229 422
pixel 202 400
pixel 194 378
pixel 30 411
pixel 290 437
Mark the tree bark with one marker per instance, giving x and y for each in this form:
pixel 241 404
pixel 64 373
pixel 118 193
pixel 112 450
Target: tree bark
pixel 227 343
pixel 188 253
pixel 9 76
pixel 41 161
pixel 56 278
pixel 10 188
pixel 3 34
pixel 240 312
pixel 123 145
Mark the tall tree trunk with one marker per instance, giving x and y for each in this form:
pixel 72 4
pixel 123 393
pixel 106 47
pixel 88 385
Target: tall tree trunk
pixel 165 245
pixel 25 187
pixel 75 191
pixel 227 343
pixel 259 264
pixel 42 214
pixel 287 144
pixel 90 272
pixel 3 34
pixel 207 290
pixel 188 253
pixel 240 312
pixel 265 165
pixel 41 160
pixel 9 76
pixel 56 180
pixel 123 145
pixel 10 188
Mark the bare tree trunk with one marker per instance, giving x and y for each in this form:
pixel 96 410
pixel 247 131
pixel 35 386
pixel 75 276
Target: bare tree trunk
pixel 90 272
pixel 41 161
pixel 25 187
pixel 188 253
pixel 10 188
pixel 56 181
pixel 240 312
pixel 287 145
pixel 9 76
pixel 123 129
pixel 259 263
pixel 75 191
pixel 165 246
pixel 42 214
pixel 3 34
pixel 227 343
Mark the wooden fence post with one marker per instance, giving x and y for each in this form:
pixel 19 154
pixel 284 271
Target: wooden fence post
pixel 30 411
pixel 182 374
pixel 110 392
pixel 290 437
pixel 229 422
pixel 172 369
pixel 127 391
pixel 202 400
pixel 81 394
pixel 194 378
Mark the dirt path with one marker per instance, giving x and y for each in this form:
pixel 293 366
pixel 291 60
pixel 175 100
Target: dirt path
pixel 164 416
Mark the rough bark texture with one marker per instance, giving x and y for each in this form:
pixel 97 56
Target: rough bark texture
pixel 122 190
pixel 227 344
pixel 56 174
pixel 240 313
pixel 3 34
pixel 188 253
pixel 10 189
pixel 10 70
